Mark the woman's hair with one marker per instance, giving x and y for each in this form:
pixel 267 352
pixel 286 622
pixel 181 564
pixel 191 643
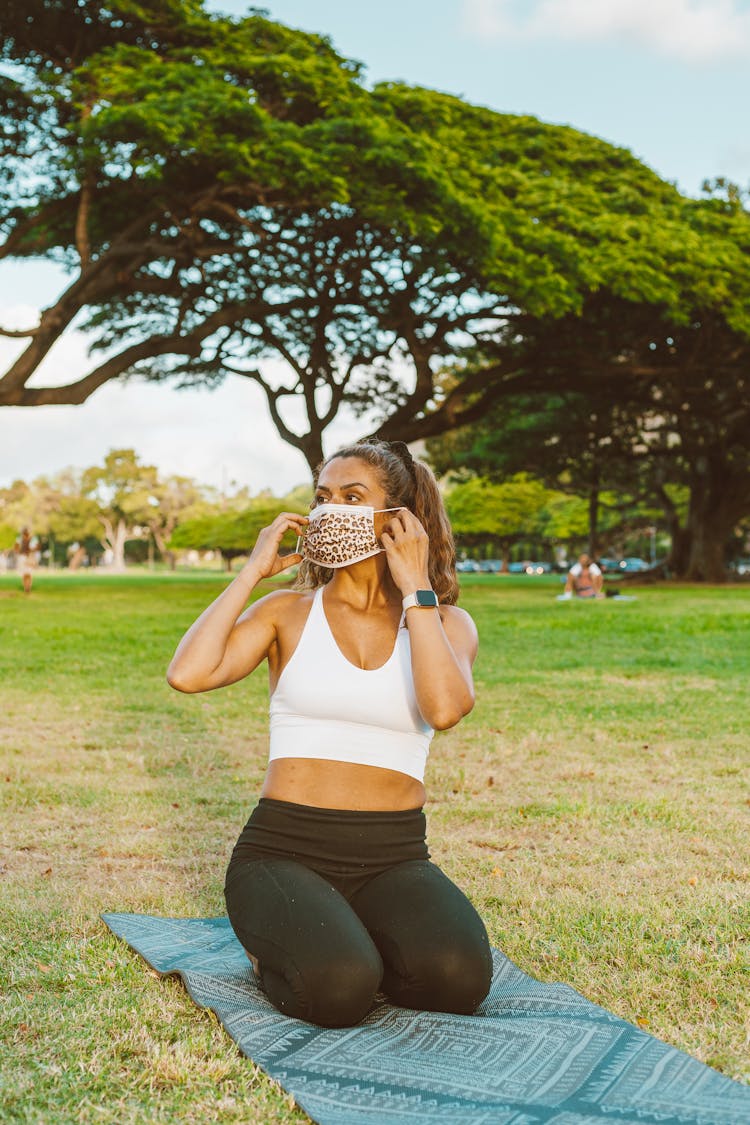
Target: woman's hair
pixel 407 484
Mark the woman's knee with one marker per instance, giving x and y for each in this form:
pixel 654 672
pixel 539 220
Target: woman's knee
pixel 331 992
pixel 458 979
pixel 342 994
pixel 449 978
pixel 317 961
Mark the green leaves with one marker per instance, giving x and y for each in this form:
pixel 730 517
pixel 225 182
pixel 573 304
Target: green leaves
pixel 230 192
pixel 232 532
pixel 507 511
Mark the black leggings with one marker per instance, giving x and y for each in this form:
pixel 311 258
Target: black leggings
pixel 337 904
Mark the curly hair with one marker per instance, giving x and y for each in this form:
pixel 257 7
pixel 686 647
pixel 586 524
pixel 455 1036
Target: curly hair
pixel 407 484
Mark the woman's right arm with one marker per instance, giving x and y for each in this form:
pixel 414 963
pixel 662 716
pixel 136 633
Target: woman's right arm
pixel 222 646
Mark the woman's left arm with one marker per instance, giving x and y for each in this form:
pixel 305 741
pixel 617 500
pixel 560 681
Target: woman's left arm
pixel 443 641
pixel 443 647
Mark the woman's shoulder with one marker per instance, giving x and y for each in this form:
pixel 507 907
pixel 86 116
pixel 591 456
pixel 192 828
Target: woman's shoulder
pixel 284 604
pixel 453 617
pixel 456 613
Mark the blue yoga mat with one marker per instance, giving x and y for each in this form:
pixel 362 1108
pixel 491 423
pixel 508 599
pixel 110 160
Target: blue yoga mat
pixel 532 1053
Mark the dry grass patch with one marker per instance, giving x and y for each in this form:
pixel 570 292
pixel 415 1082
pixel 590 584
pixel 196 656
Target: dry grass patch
pixel 594 806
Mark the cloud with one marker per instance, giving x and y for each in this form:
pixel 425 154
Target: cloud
pixel 694 31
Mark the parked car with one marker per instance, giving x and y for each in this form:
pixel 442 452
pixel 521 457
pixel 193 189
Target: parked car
pixel 490 566
pixel 632 564
pixel 607 566
pixel 740 566
pixel 468 566
pixel 528 566
pixel 537 568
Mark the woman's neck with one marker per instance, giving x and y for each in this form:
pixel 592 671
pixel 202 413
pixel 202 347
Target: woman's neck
pixel 365 585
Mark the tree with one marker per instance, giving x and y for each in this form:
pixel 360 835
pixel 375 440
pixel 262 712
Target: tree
pixel 125 492
pixel 578 444
pixel 138 137
pixel 499 514
pixel 232 533
pixel 8 536
pixel 652 407
pixel 367 239
pixel 75 518
pixel 402 253
pixel 173 501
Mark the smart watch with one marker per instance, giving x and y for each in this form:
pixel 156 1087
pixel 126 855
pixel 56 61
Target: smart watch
pixel 425 599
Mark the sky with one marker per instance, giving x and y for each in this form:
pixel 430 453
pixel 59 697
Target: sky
pixel 666 79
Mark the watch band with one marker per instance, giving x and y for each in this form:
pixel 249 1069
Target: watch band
pixel 424 599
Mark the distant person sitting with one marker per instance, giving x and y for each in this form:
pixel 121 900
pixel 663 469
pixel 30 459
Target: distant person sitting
pixel 27 553
pixel 585 580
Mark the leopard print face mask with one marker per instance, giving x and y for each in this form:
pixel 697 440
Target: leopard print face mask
pixel 341 534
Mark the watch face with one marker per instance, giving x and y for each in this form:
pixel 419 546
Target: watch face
pixel 427 597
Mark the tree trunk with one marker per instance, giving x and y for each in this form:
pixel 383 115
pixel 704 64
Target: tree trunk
pixel 169 557
pixel 76 559
pixel 712 516
pixel 114 539
pixel 709 531
pixel 679 552
pixel 593 520
pixel 706 561
pixel 311 445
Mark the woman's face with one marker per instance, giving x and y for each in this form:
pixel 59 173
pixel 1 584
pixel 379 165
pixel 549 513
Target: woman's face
pixel 349 480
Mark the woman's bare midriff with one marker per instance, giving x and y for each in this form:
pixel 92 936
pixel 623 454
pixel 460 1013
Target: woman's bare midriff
pixel 341 785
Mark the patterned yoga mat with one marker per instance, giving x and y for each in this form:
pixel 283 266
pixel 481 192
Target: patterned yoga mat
pixel 532 1053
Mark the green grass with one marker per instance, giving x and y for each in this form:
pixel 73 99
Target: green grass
pixel 594 805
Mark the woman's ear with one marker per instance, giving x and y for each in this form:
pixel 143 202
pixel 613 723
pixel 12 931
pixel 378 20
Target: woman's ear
pixel 382 519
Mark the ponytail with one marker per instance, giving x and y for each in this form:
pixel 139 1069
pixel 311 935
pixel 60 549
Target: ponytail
pixel 430 511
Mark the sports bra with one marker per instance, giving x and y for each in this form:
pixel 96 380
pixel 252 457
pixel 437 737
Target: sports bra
pixel 323 706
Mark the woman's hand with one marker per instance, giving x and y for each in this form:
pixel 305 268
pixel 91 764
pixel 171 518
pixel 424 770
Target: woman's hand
pixel 221 646
pixel 407 549
pixel 265 560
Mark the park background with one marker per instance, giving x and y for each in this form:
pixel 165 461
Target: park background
pixel 595 803
pixel 663 80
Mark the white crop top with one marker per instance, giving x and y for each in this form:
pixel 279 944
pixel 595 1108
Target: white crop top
pixel 326 707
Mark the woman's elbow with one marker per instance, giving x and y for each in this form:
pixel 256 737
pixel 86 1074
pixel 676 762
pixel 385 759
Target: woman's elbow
pixel 179 681
pixel 446 717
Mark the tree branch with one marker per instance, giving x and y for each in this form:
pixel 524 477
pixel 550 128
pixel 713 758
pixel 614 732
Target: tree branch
pixel 73 394
pixel 272 397
pixel 18 333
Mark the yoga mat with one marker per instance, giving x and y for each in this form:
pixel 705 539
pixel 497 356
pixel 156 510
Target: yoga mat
pixel 532 1053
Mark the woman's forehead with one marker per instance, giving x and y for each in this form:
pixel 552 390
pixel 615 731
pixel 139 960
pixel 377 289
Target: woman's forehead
pixel 348 471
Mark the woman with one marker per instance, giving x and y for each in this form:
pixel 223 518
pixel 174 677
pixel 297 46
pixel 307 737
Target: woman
pixel 27 554
pixel 329 888
pixel 585 579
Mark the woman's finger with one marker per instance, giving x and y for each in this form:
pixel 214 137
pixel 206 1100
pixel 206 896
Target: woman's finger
pixel 285 561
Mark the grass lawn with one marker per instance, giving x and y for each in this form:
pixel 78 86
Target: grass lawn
pixel 595 807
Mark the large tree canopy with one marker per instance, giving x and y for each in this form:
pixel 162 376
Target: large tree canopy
pixel 225 191
pixel 139 140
